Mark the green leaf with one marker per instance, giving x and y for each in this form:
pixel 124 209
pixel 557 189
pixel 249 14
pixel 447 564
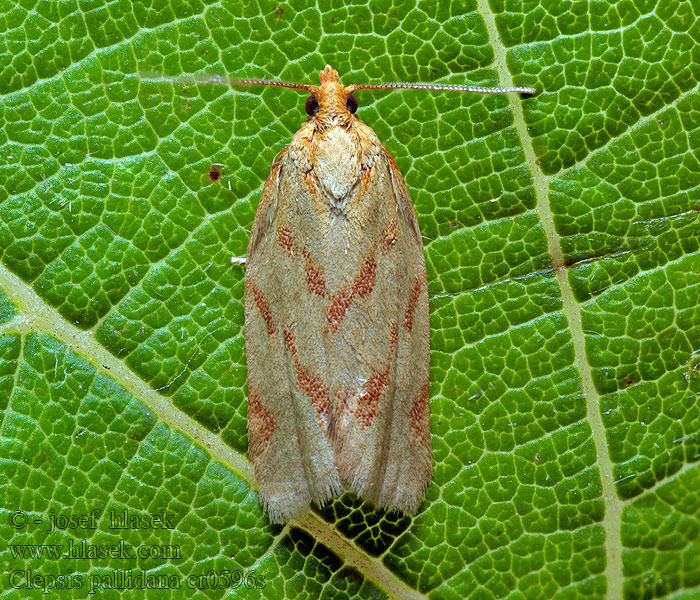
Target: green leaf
pixel 562 237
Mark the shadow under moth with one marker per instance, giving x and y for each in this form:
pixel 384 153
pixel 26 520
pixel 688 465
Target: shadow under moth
pixel 337 323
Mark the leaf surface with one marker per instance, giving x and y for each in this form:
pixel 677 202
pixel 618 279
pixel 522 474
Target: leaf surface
pixel 562 242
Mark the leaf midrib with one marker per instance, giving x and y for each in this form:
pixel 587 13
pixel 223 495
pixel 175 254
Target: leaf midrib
pixel 612 518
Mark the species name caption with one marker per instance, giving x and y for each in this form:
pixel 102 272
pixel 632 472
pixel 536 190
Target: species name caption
pixel 337 330
pixel 17 576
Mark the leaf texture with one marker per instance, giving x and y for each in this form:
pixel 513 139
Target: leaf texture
pixel 562 246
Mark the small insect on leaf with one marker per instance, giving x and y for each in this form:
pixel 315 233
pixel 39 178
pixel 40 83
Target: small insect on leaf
pixel 336 315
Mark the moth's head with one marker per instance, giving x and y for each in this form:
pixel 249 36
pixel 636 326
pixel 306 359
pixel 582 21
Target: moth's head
pixel 330 103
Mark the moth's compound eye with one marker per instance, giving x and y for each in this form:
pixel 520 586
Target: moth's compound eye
pixel 352 104
pixel 311 106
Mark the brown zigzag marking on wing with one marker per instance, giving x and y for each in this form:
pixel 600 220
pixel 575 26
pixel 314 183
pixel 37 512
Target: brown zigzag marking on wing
pixel 364 282
pixel 263 306
pixel 413 302
pixel 285 238
pixel 308 381
pixel 339 302
pixel 389 234
pixel 420 412
pixel 261 424
pixel 367 403
pixel 361 286
pixel 315 281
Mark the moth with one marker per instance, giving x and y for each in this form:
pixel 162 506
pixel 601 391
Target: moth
pixel 337 329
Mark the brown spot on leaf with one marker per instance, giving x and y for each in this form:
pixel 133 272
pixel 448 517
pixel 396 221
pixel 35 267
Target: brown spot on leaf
pixel 214 173
pixel 261 425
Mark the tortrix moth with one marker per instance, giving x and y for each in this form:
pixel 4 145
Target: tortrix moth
pixel 337 324
pixel 336 317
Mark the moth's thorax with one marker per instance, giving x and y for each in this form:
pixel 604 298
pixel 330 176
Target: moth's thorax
pixel 337 165
pixel 335 158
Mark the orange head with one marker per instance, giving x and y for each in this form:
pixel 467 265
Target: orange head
pixel 331 103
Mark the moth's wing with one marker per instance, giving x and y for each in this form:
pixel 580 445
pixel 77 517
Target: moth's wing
pixel 380 417
pixel 287 400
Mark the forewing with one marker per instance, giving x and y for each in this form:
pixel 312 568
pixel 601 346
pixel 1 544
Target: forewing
pixel 287 395
pixel 378 345
pixel 337 340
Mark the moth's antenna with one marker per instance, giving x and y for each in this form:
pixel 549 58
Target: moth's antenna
pixel 240 82
pixel 444 86
pixel 217 79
